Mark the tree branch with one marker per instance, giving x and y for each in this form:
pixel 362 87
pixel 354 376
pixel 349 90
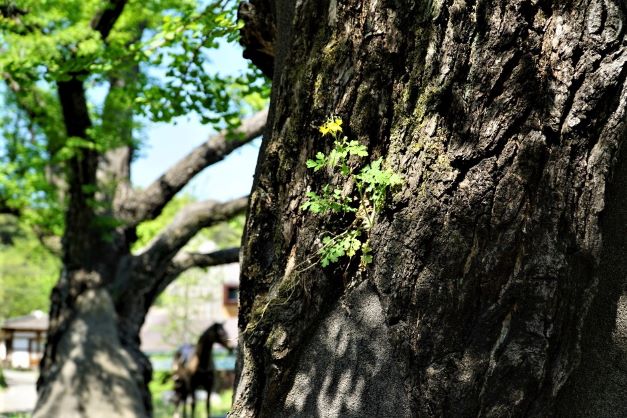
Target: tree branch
pixel 187 260
pixel 184 261
pixel 185 225
pixel 148 204
pixel 83 167
pixel 104 20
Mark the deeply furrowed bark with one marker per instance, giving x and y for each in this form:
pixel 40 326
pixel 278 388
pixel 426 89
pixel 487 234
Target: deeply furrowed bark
pixel 499 267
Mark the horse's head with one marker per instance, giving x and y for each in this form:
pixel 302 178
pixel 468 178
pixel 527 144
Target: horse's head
pixel 220 336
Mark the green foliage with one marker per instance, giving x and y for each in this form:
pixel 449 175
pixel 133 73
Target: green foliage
pixel 25 170
pixel 347 243
pixel 154 66
pixel 169 40
pixel 331 200
pixel 27 270
pixel 3 382
pixel 372 184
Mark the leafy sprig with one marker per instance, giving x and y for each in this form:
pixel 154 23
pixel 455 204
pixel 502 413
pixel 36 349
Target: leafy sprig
pixel 372 184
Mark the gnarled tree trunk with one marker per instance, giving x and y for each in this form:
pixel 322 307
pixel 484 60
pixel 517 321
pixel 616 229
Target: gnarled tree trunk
pixel 499 268
pixel 92 364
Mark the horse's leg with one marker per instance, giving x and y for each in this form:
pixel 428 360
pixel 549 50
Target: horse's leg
pixel 193 393
pixel 177 403
pixel 209 389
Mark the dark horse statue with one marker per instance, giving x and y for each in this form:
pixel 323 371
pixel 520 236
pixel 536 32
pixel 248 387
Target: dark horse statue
pixel 193 368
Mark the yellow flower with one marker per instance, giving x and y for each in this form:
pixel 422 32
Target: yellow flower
pixel 331 126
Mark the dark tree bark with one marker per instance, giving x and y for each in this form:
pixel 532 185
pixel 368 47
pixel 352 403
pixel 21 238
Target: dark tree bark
pixel 499 268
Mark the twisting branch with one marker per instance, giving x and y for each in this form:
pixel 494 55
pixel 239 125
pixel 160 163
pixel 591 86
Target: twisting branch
pixel 104 20
pixel 184 261
pixel 187 260
pixel 185 225
pixel 72 92
pixel 148 203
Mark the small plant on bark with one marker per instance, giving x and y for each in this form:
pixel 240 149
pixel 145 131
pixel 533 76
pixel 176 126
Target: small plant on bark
pixel 365 200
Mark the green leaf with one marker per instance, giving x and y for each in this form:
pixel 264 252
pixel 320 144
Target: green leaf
pixel 355 148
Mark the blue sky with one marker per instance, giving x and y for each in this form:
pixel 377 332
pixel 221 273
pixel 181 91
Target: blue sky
pixel 166 143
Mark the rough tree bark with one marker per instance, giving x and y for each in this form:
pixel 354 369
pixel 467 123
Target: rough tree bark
pixel 499 268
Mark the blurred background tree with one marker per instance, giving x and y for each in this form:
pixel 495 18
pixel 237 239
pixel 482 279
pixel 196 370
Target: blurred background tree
pixel 81 80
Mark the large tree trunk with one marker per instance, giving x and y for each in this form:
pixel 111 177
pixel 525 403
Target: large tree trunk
pixel 88 366
pixel 499 267
pixel 93 364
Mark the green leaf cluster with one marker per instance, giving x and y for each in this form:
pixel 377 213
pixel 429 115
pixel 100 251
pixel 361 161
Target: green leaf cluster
pixel 331 200
pixel 372 184
pixel 26 175
pixel 345 244
pixel 342 150
pixel 155 65
pixel 28 270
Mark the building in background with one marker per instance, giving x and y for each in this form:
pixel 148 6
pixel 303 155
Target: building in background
pixel 189 306
pixel 22 340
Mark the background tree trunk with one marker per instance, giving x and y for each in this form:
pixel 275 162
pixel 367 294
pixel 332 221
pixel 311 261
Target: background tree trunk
pixel 499 267
pixel 92 364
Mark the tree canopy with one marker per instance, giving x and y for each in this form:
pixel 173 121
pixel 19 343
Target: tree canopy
pixel 150 63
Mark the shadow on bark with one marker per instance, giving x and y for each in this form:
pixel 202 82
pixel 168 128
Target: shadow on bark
pixel 92 371
pixel 598 387
pixel 347 368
